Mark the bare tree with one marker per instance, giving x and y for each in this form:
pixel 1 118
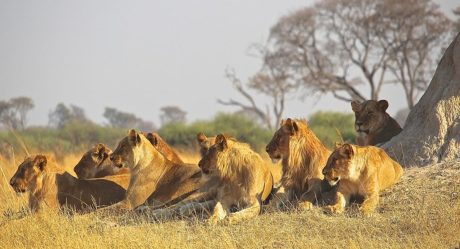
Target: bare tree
pixel 456 12
pixel 172 114
pixel 274 80
pixel 335 39
pixel 414 33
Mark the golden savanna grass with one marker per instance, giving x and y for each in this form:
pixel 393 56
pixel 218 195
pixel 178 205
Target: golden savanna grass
pixel 421 211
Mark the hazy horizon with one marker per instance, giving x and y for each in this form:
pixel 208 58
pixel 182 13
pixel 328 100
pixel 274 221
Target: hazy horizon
pixel 139 56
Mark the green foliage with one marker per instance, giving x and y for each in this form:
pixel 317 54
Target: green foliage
pixel 328 125
pixel 74 137
pixel 236 125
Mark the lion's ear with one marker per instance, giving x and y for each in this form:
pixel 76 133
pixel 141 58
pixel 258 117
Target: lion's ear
pixel 383 105
pixel 355 104
pixel 200 137
pixel 152 138
pixel 133 137
pixel 221 142
pixel 347 150
pixel 291 126
pixel 40 161
pixel 100 150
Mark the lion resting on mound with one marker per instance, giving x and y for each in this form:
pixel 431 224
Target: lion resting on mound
pixel 372 123
pixel 49 189
pixel 303 158
pixel 95 163
pixel 245 179
pixel 360 172
pixel 155 180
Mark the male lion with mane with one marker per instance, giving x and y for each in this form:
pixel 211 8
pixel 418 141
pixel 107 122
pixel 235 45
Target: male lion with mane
pixel 303 158
pixel 49 189
pixel 155 180
pixel 245 177
pixel 360 172
pixel 373 124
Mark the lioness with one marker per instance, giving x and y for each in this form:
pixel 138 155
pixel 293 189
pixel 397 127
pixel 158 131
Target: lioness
pixel 360 171
pixel 303 158
pixel 50 189
pixel 155 180
pixel 163 147
pixel 246 179
pixel 95 163
pixel 373 124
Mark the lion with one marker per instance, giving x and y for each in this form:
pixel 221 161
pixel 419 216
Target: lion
pixel 303 158
pixel 50 189
pixel 246 180
pixel 95 163
pixel 373 124
pixel 155 181
pixel 163 147
pixel 360 172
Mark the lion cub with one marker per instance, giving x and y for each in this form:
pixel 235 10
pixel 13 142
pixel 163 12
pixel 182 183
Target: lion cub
pixel 245 177
pixel 360 171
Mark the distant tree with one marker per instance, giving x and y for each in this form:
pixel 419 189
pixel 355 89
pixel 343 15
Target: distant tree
pixel 172 114
pixel 274 80
pixel 119 119
pixel 13 113
pixel 337 45
pixel 62 115
pixel 456 12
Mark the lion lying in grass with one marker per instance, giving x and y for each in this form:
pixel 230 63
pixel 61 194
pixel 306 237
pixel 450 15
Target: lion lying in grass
pixel 155 180
pixel 303 158
pixel 246 180
pixel 50 190
pixel 360 171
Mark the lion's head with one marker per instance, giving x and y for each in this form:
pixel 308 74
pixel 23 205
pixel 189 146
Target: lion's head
pixel 125 153
pixel 28 172
pixel 278 147
pixel 339 165
pixel 370 115
pixel 92 160
pixel 209 159
pixel 162 147
pixel 204 142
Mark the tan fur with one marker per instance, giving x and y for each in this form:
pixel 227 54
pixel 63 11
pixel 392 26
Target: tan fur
pixel 245 178
pixel 95 163
pixel 373 124
pixel 155 180
pixel 163 147
pixel 50 189
pixel 303 158
pixel 360 172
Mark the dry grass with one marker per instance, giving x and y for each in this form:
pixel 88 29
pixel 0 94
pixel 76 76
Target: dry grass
pixel 422 211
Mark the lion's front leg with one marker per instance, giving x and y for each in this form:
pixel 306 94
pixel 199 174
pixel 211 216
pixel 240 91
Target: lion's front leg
pixel 338 207
pixel 249 212
pixel 311 196
pixel 370 202
pixel 219 213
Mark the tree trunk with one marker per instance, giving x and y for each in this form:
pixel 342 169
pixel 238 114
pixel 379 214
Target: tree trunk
pixel 432 130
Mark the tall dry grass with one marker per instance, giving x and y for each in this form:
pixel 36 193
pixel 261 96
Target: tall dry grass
pixel 422 211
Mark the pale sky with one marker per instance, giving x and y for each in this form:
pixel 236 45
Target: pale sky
pixel 138 56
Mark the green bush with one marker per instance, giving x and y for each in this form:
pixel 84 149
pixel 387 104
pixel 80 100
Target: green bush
pixel 329 126
pixel 236 125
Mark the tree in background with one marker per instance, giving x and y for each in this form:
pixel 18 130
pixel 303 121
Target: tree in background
pixel 456 12
pixel 13 113
pixel 375 41
pixel 63 115
pixel 119 119
pixel 274 80
pixel 172 114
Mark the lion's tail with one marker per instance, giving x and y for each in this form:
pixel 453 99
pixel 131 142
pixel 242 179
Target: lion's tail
pixel 269 190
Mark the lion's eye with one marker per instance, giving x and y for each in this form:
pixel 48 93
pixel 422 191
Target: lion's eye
pixel 370 113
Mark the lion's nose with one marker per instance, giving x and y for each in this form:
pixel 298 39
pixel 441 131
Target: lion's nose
pixel 112 157
pixel 324 171
pixel 267 149
pixel 12 182
pixel 200 164
pixel 359 123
